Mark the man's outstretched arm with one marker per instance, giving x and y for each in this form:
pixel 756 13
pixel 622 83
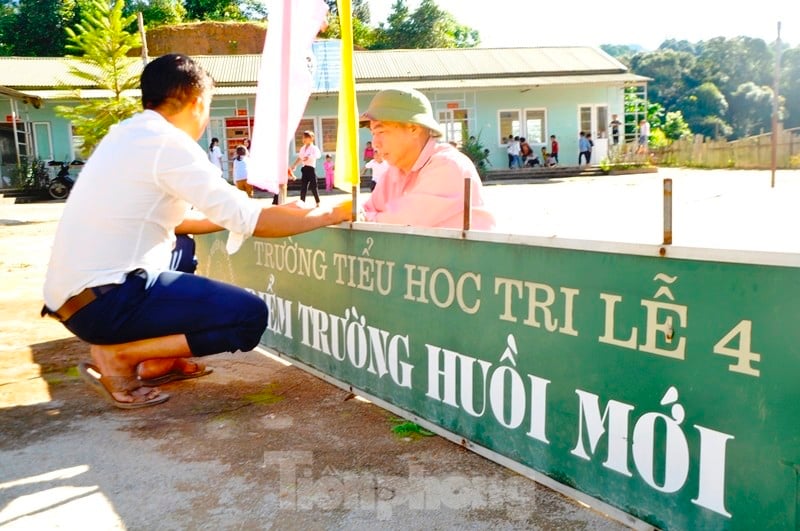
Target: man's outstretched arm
pixel 286 220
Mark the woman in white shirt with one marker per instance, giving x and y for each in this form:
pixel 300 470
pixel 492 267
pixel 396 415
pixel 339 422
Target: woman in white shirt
pixel 308 156
pixel 215 155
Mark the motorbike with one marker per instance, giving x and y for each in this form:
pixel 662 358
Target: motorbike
pixel 60 186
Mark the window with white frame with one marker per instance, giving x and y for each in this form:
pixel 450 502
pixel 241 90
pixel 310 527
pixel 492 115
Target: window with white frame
pixel 508 122
pixel 328 129
pixel 528 123
pixel 535 126
pixel 306 124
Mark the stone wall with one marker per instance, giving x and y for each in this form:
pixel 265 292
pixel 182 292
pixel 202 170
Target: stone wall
pixel 206 38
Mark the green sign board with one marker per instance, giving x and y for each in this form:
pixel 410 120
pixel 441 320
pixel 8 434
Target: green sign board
pixel 662 386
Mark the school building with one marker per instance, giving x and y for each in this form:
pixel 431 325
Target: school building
pixel 489 93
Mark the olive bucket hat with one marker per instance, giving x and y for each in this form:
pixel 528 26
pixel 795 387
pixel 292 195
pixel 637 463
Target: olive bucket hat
pixel 404 106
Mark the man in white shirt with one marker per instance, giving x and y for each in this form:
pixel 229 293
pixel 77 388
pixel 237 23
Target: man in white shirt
pixel 108 280
pixel 513 149
pixel 378 167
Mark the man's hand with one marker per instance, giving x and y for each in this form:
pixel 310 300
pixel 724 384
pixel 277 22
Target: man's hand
pixel 287 220
pixel 344 210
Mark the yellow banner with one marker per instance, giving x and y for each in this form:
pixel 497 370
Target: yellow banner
pixel 346 164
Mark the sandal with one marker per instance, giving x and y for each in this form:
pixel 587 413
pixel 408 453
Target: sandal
pixel 92 376
pixel 175 375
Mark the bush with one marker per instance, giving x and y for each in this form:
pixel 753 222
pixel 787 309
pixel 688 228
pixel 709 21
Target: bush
pixel 478 154
pixel 31 175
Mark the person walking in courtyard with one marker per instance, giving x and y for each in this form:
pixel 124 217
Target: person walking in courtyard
pixel 307 157
pixel 584 151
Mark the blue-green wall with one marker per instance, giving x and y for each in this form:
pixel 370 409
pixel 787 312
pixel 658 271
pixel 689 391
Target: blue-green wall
pixel 561 104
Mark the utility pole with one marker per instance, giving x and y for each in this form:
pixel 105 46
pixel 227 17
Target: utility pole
pixel 775 98
pixel 140 20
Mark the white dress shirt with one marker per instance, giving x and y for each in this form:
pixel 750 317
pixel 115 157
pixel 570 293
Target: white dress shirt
pixel 309 154
pixel 131 194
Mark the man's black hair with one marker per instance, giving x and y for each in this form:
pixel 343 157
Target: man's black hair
pixel 173 80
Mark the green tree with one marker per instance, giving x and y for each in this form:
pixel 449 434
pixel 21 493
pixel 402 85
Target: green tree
pixel 156 12
pixel 620 52
pixel 36 28
pixel 638 107
pixel 790 87
pixel 675 126
pixel 7 18
pixel 103 44
pixel 727 64
pixel 360 10
pixel 730 62
pixel 704 109
pixel 750 110
pixel 363 33
pixel 671 73
pixel 427 27
pixel 224 10
pixel 678 46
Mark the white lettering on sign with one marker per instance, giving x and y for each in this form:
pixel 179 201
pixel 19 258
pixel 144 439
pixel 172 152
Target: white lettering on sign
pixel 509 396
pixel 615 422
pixel 290 257
pixel 540 299
pixel 363 272
pixel 280 311
pixel 441 288
pixel 661 320
pixel 350 338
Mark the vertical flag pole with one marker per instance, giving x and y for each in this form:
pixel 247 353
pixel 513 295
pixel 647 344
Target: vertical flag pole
pixel 283 95
pixel 347 176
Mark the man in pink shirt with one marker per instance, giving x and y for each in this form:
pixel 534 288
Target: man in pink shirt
pixel 424 184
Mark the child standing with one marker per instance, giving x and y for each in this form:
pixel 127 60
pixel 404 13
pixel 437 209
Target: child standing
pixel 554 148
pixel 240 171
pixel 378 166
pixel 329 168
pixel 369 152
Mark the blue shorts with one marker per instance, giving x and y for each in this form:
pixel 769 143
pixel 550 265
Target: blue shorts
pixel 214 316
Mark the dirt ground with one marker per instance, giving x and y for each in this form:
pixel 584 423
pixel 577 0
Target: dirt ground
pixel 255 445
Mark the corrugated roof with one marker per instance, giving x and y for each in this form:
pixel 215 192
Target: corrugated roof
pixel 374 70
pixel 43 72
pixel 464 63
pixel 515 82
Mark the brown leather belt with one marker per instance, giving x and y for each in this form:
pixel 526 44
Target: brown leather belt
pixel 78 302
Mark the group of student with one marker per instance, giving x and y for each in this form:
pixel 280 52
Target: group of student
pixel 307 158
pixel 521 155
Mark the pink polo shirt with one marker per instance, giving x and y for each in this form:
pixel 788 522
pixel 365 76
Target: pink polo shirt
pixel 431 194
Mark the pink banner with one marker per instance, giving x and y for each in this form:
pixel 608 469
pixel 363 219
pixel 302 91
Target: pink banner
pixel 285 81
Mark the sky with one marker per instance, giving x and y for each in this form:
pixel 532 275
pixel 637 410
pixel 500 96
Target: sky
pixel 591 23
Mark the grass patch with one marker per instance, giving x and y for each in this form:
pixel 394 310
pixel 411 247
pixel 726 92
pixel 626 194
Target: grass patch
pixel 267 396
pixel 407 429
